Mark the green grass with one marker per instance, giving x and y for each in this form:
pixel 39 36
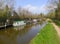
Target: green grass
pixel 57 22
pixel 47 35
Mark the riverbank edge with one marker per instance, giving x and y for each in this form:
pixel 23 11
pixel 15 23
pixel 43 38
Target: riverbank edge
pixel 57 22
pixel 47 35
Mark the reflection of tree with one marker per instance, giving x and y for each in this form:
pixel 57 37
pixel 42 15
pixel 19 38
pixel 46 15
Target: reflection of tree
pixel 10 35
pixel 25 30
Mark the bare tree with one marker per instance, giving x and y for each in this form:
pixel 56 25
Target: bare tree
pixel 10 3
pixel 52 5
pixel 55 5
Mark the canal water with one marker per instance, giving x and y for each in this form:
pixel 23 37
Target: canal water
pixel 19 35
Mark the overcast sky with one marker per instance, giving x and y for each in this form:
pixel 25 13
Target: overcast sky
pixel 34 6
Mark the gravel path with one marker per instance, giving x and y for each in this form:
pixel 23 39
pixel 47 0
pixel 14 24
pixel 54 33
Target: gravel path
pixel 57 29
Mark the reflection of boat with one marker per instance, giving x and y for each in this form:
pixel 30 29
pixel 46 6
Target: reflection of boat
pixel 19 27
pixel 19 23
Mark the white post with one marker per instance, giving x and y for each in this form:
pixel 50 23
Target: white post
pixel 5 25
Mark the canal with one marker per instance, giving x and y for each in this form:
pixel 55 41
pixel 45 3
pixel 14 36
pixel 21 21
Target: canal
pixel 19 35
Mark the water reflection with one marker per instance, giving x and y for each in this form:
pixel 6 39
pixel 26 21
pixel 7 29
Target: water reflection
pixel 19 35
pixel 18 27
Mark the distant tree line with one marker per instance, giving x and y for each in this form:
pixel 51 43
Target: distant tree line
pixel 7 11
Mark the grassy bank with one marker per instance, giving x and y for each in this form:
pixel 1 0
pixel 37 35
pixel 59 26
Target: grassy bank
pixel 47 35
pixel 57 22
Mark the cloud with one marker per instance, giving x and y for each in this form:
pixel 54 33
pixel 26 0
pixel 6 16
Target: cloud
pixel 35 9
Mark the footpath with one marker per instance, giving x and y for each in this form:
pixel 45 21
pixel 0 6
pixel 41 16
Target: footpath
pixel 56 28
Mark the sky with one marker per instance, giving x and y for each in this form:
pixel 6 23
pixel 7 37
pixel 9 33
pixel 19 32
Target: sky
pixel 34 6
